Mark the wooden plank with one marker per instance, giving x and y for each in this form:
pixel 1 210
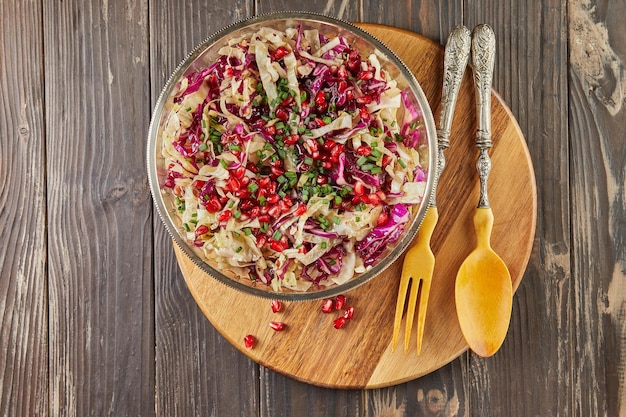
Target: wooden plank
pixel 282 396
pixel 340 9
pixel 445 385
pixel 598 155
pixel 23 245
pixel 531 74
pixel 99 222
pixel 197 371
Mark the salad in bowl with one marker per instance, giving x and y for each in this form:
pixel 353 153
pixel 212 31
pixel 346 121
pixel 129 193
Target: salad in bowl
pixel 290 155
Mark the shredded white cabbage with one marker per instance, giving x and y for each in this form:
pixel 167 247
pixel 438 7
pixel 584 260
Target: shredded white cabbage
pixel 287 155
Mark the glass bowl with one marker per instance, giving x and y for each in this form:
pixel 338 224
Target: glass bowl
pixel 203 56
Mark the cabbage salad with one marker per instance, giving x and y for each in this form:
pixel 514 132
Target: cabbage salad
pixel 293 159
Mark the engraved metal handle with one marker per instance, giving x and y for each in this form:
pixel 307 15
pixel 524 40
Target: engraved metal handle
pixel 454 62
pixel 483 57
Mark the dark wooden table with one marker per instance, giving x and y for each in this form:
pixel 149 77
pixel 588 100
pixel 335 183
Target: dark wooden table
pixel 95 316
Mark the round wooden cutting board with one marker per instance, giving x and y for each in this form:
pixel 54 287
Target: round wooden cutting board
pixel 359 355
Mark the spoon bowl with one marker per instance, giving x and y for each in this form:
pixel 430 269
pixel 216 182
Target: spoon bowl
pixel 484 292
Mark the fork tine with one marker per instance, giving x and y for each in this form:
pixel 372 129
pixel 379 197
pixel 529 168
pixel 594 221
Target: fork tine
pixel 410 312
pixel 404 284
pixel 421 318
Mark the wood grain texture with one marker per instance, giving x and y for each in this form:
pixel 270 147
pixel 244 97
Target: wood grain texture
pixel 597 82
pixel 191 357
pixel 360 356
pixel 23 284
pixel 530 74
pixel 99 223
pixel 86 272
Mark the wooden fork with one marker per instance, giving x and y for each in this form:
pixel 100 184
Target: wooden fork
pixel 419 261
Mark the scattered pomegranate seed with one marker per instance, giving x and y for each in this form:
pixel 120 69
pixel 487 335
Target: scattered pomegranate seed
pixel 249 341
pixel 349 313
pixel 340 301
pixel 340 322
pixel 261 241
pixel 277 325
pixel 276 306
pixel 327 307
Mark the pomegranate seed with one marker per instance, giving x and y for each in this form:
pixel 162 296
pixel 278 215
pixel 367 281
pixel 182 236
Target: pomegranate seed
pixel 252 168
pixel 339 322
pixel 213 205
pixel 280 52
pixel 327 165
pixel 264 182
pixel 383 218
pixel 364 100
pixel 254 212
pixel 282 114
pixel 365 75
pixel 225 215
pixel 265 218
pixel 364 150
pixel 202 230
pixel 386 159
pixel 349 313
pixel 342 72
pixel 301 209
pixel 178 191
pixel 276 306
pixel 327 307
pixel 291 139
pixel 277 171
pixel 198 243
pixel 329 144
pixel 242 193
pixel 340 301
pixel 271 130
pixel 261 241
pixel 302 250
pixel 342 85
pixel 277 325
pixel 273 199
pixel 359 188
pixel 276 246
pixel 322 180
pixel 198 184
pixel 363 113
pixel 350 95
pixel 320 98
pixel 374 199
pixel 234 184
pixel 249 341
pixel 284 207
pixel 239 172
pixel 274 211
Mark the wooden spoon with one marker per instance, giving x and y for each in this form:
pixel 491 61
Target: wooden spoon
pixel 484 291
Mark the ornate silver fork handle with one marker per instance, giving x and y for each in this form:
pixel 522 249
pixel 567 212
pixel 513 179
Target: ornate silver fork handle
pixel 454 62
pixel 483 57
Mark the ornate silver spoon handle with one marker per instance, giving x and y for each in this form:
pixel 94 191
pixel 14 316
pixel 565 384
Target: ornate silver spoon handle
pixel 454 62
pixel 483 57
